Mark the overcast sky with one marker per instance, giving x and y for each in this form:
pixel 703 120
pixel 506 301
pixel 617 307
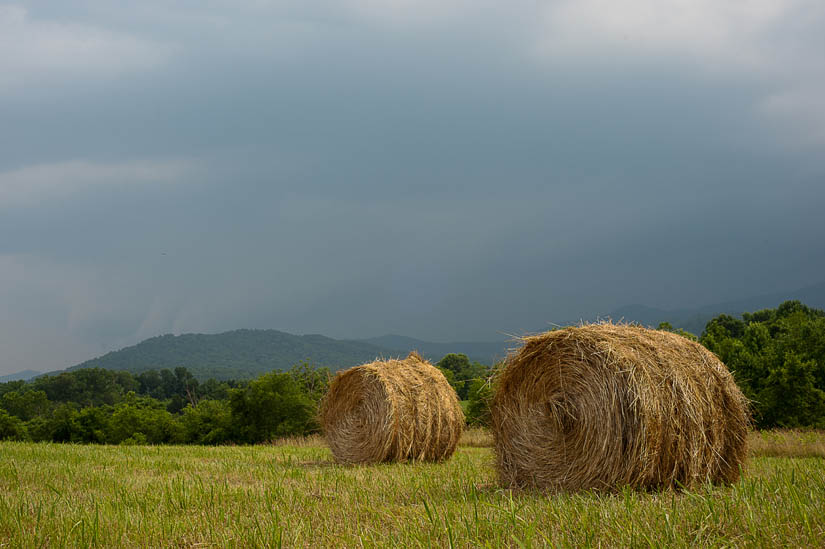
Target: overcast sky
pixel 443 169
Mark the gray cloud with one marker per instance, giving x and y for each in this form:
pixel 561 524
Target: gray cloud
pixel 448 170
pixel 37 183
pixel 44 52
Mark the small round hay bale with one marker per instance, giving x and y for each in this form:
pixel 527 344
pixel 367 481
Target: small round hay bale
pixel 391 410
pixel 601 406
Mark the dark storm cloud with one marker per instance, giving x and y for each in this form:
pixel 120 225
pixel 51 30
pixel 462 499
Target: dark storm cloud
pixel 445 170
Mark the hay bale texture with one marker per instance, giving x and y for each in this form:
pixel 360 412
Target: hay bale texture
pixel 601 406
pixel 391 410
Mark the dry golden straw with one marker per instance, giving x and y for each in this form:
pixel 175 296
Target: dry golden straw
pixel 601 406
pixel 391 410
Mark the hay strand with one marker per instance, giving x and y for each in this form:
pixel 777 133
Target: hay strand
pixel 391 410
pixel 601 406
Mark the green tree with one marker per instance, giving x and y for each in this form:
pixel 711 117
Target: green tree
pixel 668 327
pixel 271 406
pixel 150 384
pixel 85 387
pixel 463 372
pixel 214 390
pixel 11 427
pixel 790 397
pixel 60 424
pixel 91 425
pixel 9 386
pixel 314 383
pixel 143 419
pixel 480 396
pixel 777 357
pixel 209 422
pixel 25 405
pixel 455 362
pixel 458 386
pixel 39 429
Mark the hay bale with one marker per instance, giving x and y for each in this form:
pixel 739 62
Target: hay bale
pixel 391 410
pixel 601 406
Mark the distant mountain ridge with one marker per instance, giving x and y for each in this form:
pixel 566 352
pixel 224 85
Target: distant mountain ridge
pixel 236 354
pixel 25 375
pixel 248 353
pixel 694 320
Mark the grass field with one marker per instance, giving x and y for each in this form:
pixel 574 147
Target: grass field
pixel 293 495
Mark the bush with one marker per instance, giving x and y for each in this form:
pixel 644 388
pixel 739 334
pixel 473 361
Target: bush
pixel 271 406
pixel 146 417
pixel 314 383
pixel 209 422
pixel 25 404
pixel 478 409
pixel 91 425
pixel 39 429
pixel 11 428
pixel 460 372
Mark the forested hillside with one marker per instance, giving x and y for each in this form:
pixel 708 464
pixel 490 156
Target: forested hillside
pixel 24 375
pixel 239 354
pixel 244 354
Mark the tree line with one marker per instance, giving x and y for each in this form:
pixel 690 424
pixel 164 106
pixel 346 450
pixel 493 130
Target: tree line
pixel 95 405
pixel 777 357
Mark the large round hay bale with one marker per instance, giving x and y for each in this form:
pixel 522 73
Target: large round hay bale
pixel 602 406
pixel 391 410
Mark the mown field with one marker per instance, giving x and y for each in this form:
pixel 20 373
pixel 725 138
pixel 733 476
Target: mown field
pixel 293 495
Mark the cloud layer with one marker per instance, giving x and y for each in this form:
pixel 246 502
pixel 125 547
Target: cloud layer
pixel 448 170
pixel 45 52
pixel 33 184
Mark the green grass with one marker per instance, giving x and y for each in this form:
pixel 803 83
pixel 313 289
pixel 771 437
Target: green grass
pixel 293 495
